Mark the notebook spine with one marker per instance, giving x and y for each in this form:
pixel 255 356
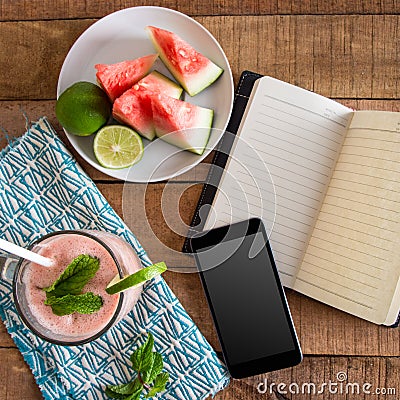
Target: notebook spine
pixel 221 156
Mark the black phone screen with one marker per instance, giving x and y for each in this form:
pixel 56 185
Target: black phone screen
pixel 246 298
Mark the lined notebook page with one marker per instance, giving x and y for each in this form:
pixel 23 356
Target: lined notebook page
pixel 297 136
pixel 353 258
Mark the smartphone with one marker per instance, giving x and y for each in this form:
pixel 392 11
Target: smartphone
pixel 246 298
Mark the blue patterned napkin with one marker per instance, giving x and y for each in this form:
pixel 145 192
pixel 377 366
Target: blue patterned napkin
pixel 42 189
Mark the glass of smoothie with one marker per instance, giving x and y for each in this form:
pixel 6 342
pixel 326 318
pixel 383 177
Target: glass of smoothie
pixel 115 256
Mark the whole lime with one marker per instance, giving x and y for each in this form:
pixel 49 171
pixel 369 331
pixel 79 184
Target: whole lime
pixel 83 108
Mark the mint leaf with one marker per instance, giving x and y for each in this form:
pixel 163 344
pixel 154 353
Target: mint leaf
pixel 148 365
pixel 86 303
pixel 135 396
pixel 159 384
pixel 75 276
pixel 142 358
pixel 131 388
pixel 113 395
pixel 154 369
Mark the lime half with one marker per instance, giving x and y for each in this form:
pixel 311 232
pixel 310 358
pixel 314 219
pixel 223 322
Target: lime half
pixel 117 147
pixel 137 279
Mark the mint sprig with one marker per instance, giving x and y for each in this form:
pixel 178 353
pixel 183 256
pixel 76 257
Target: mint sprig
pixel 86 303
pixel 65 294
pixel 148 365
pixel 159 384
pixel 74 278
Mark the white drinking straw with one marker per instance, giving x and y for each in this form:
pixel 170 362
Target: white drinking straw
pixel 24 253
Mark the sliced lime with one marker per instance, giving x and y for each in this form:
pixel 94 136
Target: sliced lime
pixel 137 279
pixel 117 146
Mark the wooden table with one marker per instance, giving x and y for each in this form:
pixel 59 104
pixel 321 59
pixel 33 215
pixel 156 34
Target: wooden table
pixel 348 51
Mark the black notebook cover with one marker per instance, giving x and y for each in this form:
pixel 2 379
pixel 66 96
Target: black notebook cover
pixel 242 95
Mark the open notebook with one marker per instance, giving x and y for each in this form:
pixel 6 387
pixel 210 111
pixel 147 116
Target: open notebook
pixel 335 228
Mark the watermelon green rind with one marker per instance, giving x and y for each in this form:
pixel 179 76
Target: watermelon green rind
pixel 191 69
pixel 182 124
pixel 164 84
pixel 199 136
pixel 204 79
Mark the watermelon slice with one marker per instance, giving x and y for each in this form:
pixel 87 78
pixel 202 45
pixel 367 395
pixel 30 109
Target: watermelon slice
pixel 157 82
pixel 190 68
pixel 133 107
pixel 117 78
pixel 180 123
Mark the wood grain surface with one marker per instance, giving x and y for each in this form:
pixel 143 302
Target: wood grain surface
pixel 341 56
pixel 17 10
pixel 346 50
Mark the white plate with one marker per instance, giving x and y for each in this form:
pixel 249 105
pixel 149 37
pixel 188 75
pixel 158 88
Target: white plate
pixel 122 36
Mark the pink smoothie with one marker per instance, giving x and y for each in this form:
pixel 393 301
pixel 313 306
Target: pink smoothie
pixel 63 249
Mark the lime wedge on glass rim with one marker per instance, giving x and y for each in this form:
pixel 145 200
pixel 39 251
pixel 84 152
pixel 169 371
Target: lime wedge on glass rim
pixel 117 146
pixel 139 278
